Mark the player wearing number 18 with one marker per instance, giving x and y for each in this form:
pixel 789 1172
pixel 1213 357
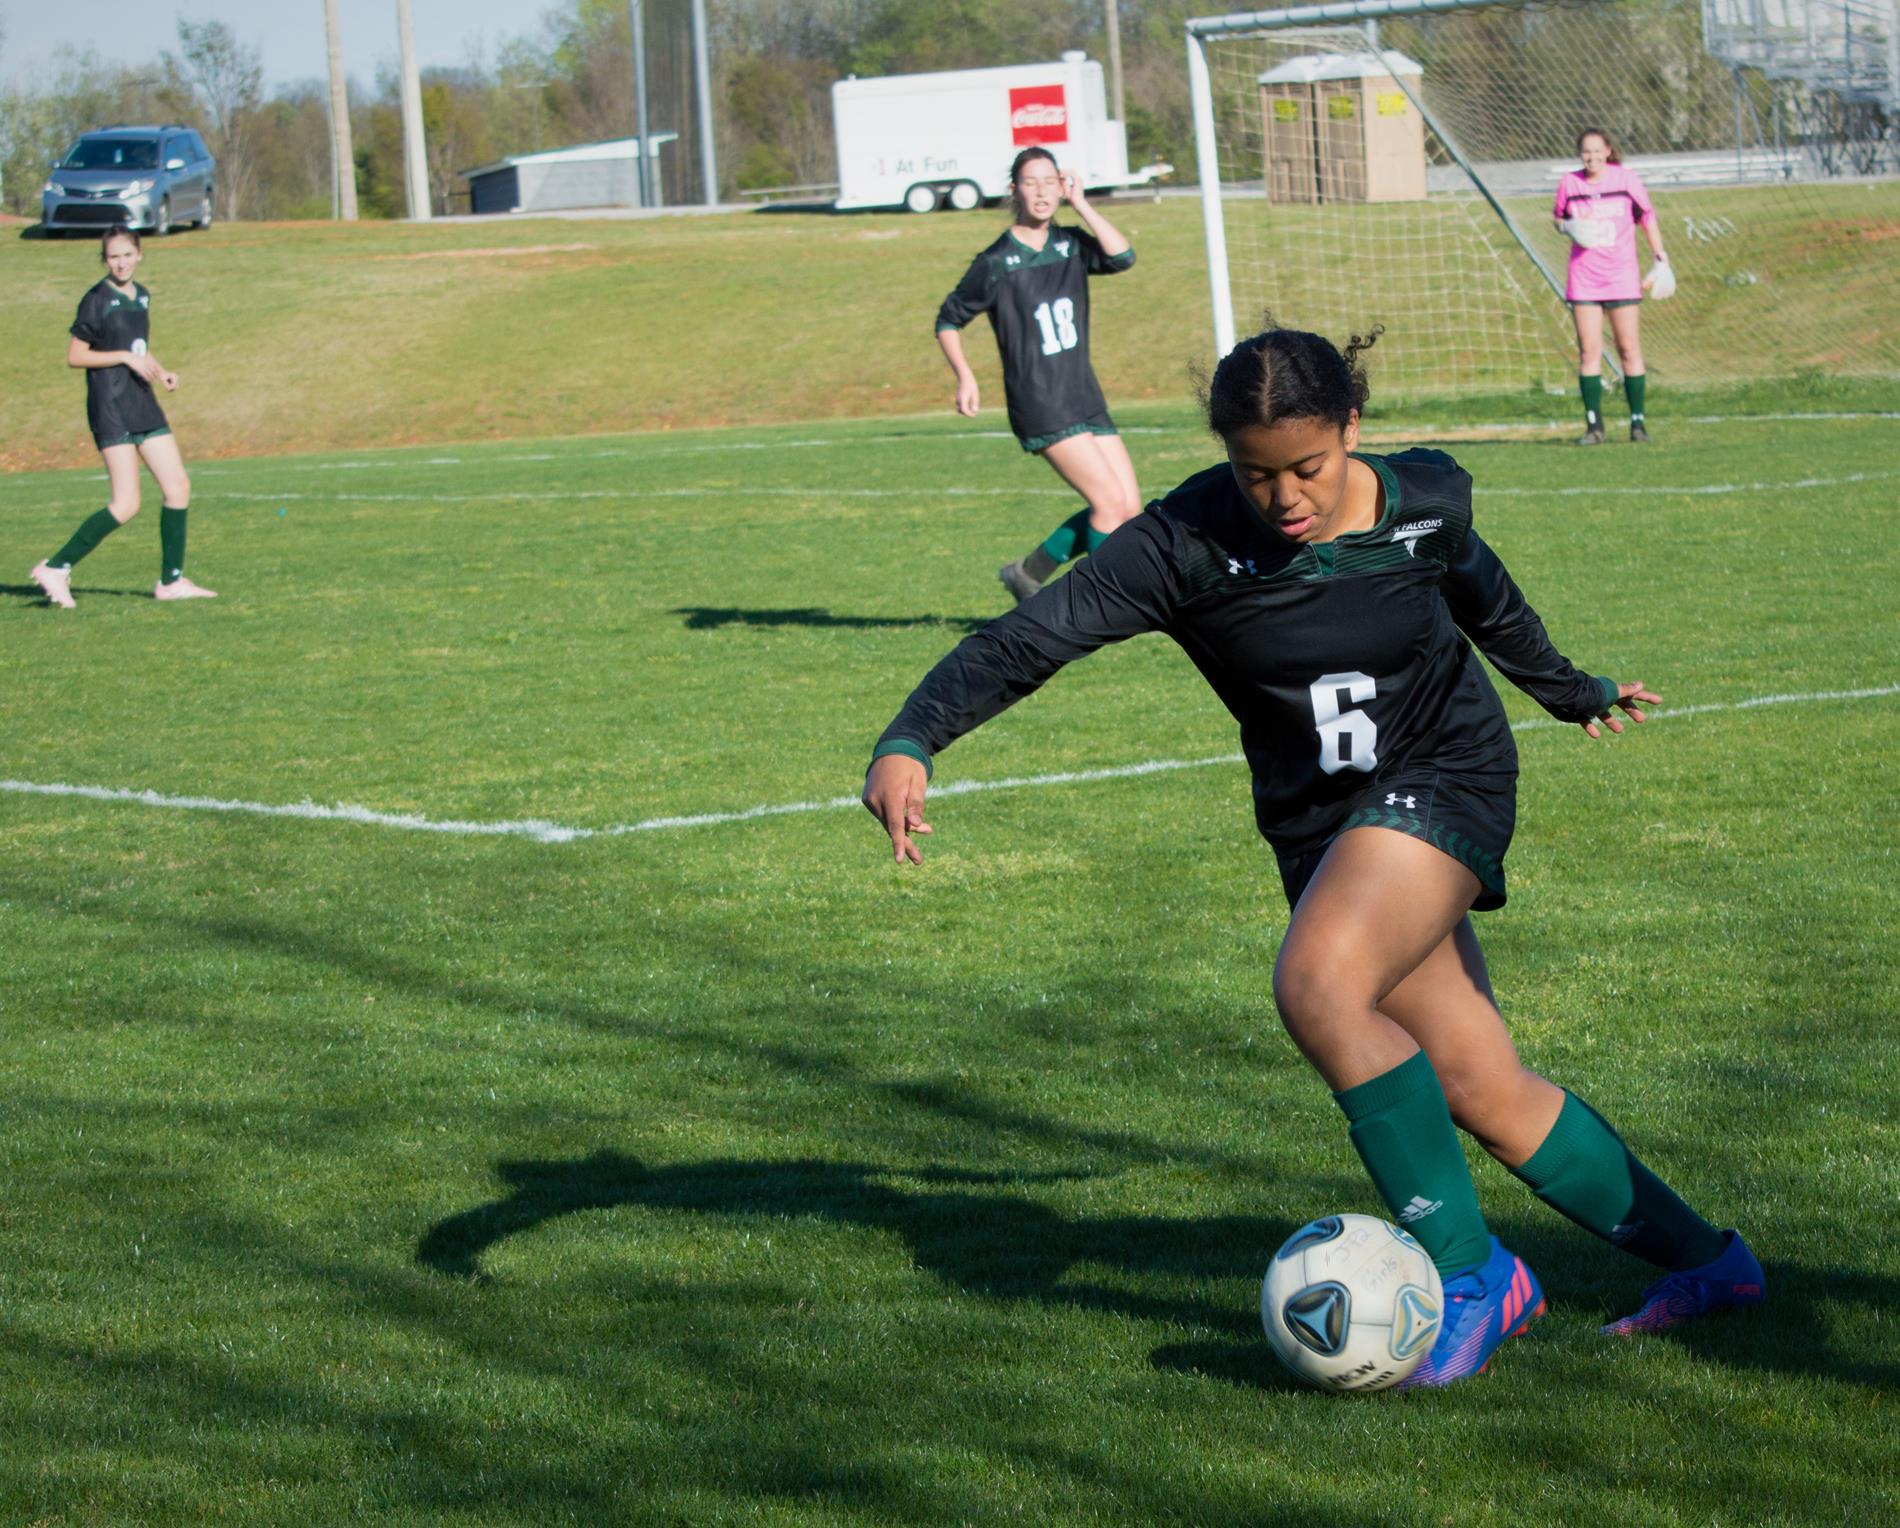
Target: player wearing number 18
pixel 1331 599
pixel 1034 284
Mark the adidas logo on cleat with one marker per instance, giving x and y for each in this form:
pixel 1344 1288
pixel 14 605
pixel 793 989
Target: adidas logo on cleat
pixel 1419 1208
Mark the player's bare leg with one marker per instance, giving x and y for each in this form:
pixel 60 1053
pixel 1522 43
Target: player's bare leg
pixel 1099 469
pixel 1625 330
pixel 1588 317
pixel 168 466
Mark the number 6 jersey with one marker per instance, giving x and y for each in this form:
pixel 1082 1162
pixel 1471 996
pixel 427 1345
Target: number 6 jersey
pixel 1343 661
pixel 1038 303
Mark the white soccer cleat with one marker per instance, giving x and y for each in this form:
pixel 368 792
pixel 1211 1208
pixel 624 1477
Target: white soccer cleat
pixel 182 588
pixel 55 583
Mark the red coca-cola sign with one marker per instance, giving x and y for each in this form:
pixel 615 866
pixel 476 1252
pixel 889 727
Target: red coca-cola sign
pixel 1038 114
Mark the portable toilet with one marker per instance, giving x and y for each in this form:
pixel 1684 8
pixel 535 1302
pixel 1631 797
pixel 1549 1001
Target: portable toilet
pixel 1338 128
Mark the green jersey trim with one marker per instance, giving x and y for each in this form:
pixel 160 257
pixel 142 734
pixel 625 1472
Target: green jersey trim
pixel 905 747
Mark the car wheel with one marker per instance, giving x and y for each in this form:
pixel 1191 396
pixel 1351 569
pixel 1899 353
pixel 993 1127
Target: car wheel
pixel 162 222
pixel 921 199
pixel 966 196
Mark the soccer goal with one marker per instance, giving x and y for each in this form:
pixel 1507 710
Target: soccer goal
pixel 1394 161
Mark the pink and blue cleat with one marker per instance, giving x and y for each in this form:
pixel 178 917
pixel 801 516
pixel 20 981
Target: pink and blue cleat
pixel 1731 1280
pixel 55 583
pixel 182 588
pixel 1496 1300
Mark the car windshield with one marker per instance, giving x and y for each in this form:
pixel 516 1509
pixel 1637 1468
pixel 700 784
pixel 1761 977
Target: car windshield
pixel 112 154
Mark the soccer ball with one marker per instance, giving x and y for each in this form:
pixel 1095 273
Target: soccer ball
pixel 1350 1302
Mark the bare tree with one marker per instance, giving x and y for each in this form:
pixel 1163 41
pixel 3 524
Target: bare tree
pixel 219 80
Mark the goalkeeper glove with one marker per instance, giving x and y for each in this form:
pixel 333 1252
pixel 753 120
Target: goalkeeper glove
pixel 1662 281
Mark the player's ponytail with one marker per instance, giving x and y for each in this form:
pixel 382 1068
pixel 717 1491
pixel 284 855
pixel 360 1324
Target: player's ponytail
pixel 1282 374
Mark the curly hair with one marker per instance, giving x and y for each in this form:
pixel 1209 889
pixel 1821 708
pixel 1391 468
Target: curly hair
pixel 1282 374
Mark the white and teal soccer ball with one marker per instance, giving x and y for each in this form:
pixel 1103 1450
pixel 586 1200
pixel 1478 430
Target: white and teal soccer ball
pixel 1350 1302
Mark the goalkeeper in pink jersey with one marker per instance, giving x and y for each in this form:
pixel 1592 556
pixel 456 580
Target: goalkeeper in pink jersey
pixel 1598 209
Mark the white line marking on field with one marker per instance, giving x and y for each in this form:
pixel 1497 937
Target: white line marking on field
pixel 542 831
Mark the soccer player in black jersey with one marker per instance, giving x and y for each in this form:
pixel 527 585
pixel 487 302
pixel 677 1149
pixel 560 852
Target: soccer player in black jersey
pixel 1331 599
pixel 110 343
pixel 1033 282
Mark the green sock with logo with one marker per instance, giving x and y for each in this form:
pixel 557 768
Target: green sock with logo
pixel 96 527
pixel 1402 1128
pixel 1633 391
pixel 1592 389
pixel 171 545
pixel 1585 1173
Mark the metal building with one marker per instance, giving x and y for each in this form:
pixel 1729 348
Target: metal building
pixel 584 175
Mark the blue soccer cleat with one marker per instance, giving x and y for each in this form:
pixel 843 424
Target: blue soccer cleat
pixel 1733 1279
pixel 1497 1300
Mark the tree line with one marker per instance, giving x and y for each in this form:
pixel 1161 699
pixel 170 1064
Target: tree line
pixel 570 80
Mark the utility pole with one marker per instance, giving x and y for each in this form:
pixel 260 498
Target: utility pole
pixel 636 19
pixel 342 154
pixel 702 83
pixel 414 151
pixel 1112 11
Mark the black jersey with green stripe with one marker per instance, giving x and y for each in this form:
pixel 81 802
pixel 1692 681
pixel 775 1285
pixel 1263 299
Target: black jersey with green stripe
pixel 1038 303
pixel 119 402
pixel 1343 661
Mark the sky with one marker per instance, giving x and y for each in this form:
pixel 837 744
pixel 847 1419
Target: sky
pixel 289 33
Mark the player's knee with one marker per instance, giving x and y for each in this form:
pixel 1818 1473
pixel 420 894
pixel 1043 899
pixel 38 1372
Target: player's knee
pixel 1310 999
pixel 178 491
pixel 123 506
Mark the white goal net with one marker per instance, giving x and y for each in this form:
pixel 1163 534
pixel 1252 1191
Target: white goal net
pixel 1394 161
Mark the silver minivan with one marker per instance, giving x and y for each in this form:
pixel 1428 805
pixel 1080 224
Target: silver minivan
pixel 145 177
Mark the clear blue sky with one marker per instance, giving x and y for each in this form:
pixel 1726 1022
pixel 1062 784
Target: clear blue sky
pixel 289 33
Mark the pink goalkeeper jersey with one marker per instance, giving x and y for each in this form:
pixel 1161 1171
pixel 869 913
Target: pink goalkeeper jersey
pixel 1607 273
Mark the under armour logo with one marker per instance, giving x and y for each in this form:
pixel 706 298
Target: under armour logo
pixel 1394 799
pixel 1234 565
pixel 1012 259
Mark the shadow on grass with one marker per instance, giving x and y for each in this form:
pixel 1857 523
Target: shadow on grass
pixel 34 592
pixel 958 1225
pixel 711 618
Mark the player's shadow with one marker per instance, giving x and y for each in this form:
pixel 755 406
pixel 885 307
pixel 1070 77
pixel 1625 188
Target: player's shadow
pixel 712 617
pixel 34 592
pixel 962 1226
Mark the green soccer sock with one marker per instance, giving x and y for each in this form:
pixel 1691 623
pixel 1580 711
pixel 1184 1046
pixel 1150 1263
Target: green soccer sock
pixel 171 545
pixel 1585 1172
pixel 1094 539
pixel 1633 391
pixel 1402 1129
pixel 1066 540
pixel 97 526
pixel 1592 388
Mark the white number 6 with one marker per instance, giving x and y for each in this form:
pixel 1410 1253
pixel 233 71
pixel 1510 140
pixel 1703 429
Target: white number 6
pixel 1345 741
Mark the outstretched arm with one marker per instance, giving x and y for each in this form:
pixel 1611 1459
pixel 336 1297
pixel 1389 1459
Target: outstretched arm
pixel 1127 587
pixel 1489 609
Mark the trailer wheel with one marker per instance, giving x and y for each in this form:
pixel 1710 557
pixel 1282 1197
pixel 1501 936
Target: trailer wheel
pixel 921 199
pixel 966 196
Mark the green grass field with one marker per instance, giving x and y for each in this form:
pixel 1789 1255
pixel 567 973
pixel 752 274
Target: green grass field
pixel 721 1173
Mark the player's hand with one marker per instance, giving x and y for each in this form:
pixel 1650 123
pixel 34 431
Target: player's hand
pixel 894 795
pixel 967 397
pixel 1630 698
pixel 145 366
pixel 1072 192
pixel 170 379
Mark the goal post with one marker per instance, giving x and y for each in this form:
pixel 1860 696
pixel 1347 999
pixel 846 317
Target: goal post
pixel 1394 161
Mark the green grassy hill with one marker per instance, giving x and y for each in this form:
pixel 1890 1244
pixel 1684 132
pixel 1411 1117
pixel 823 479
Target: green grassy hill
pixel 299 337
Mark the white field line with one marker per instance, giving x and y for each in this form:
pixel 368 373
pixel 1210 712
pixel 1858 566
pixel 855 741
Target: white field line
pixel 1379 429
pixel 542 831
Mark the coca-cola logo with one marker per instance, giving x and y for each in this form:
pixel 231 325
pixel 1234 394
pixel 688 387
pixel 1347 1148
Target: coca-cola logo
pixel 1038 114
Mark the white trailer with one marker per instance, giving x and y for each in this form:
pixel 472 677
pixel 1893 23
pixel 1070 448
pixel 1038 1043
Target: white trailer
pixel 921 140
